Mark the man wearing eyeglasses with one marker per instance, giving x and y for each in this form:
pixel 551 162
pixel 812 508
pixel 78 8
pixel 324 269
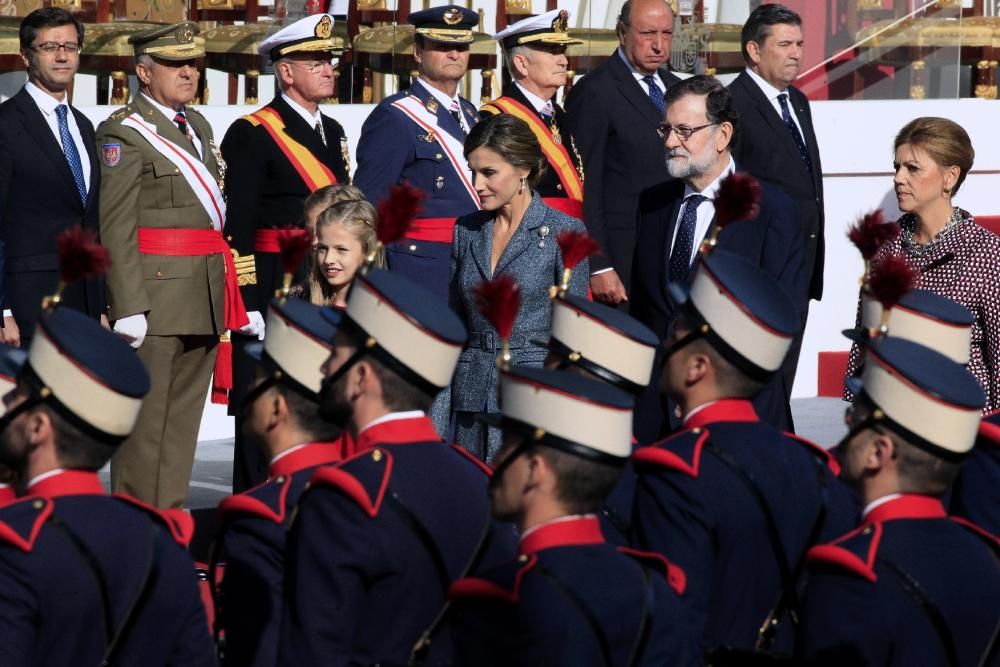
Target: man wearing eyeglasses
pixel 53 190
pixel 675 216
pixel 275 158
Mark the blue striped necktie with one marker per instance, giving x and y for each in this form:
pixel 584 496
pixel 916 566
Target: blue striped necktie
pixel 72 155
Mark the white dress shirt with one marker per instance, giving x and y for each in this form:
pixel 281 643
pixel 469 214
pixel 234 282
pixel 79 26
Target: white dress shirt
pixel 47 105
pixel 639 75
pixel 311 119
pixel 706 211
pixel 169 114
pixel 537 102
pixel 771 93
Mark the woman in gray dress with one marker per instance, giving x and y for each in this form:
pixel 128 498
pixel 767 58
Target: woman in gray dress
pixel 514 234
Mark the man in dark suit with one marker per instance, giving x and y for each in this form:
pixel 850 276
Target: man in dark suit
pixel 675 216
pixel 535 53
pixel 275 158
pixel 777 143
pixel 613 113
pixel 57 187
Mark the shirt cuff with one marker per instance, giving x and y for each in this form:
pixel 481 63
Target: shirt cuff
pixel 599 271
pixel 7 312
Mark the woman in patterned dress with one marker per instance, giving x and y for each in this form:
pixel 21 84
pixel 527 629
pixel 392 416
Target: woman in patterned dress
pixel 953 256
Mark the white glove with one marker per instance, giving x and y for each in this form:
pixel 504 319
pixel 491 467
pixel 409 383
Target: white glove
pixel 255 326
pixel 132 329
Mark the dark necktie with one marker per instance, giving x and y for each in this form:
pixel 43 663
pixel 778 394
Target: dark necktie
pixel 182 125
pixel 680 256
pixel 655 94
pixel 72 154
pixel 786 116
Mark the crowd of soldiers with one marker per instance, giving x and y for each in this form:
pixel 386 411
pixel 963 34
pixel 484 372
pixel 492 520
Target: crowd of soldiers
pixel 358 535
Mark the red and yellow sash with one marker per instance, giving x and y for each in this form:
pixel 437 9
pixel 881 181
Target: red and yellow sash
pixel 555 153
pixel 314 173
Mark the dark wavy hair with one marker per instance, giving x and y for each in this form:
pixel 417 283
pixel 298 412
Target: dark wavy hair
pixel 758 25
pixel 46 17
pixel 513 140
pixel 718 102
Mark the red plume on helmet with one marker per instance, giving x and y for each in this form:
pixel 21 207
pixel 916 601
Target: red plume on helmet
pixel 891 280
pixel 738 198
pixel 81 257
pixel 869 234
pixel 397 212
pixel 498 300
pixel 574 247
pixel 294 243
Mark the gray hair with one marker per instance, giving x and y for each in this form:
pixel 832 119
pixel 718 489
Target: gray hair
pixel 508 58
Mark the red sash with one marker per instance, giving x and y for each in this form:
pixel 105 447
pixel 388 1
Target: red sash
pixel 314 173
pixel 435 230
pixel 266 240
pixel 571 207
pixel 555 153
pixel 197 243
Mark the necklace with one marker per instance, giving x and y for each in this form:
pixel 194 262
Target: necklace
pixel 919 250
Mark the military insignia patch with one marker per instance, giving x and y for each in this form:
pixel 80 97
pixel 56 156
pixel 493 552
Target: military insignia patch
pixel 453 16
pixel 324 28
pixel 432 105
pixel 185 35
pixel 111 154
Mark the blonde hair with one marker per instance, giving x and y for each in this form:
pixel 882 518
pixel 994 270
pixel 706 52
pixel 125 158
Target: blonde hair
pixel 358 218
pixel 944 140
pixel 328 195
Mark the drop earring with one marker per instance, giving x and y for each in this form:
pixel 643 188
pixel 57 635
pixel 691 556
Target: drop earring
pixel 521 189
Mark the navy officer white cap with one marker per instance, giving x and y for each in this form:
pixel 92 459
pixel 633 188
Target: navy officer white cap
pixel 312 34
pixel 547 28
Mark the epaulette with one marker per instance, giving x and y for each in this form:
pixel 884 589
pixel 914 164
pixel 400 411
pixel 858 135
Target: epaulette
pixel 681 452
pixel 500 583
pixel 363 478
pixel 488 471
pixel 122 113
pixel 178 522
pixel 823 454
pixel 854 552
pixel 20 522
pixel 265 501
pixel 675 576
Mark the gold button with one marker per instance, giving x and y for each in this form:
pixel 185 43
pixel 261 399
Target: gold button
pixel 696 430
pixel 867 530
pixel 159 274
pixel 558 186
pixel 280 479
pixel 438 156
pixel 376 455
pixel 177 171
pixel 523 558
pixel 38 504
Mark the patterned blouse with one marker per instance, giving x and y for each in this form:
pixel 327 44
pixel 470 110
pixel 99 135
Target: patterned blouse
pixel 963 264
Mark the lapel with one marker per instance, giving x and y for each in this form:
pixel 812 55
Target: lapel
pixel 800 103
pixel 90 142
pixel 769 115
pixel 297 128
pixel 165 127
pixel 36 127
pixel 672 212
pixel 632 90
pixel 204 132
pixel 524 236
pixel 445 121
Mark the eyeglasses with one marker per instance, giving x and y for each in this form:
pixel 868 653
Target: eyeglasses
pixel 683 132
pixel 54 47
pixel 314 66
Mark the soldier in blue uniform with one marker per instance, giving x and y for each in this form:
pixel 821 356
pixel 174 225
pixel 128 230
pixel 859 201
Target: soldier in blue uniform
pixel 88 579
pixel 280 412
pixel 909 586
pixel 714 497
pixel 417 135
pixel 380 537
pixel 976 493
pixel 601 342
pixel 570 598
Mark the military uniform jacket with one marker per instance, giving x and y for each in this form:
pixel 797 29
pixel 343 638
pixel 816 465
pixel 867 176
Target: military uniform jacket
pixel 377 541
pixel 549 184
pixel 51 610
pixel 393 148
pixel 142 188
pixel 976 493
pixel 696 510
pixel 264 191
pixel 573 600
pixel 858 611
pixel 251 543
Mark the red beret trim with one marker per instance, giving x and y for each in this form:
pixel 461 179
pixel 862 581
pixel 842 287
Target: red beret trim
pixel 350 486
pixel 657 457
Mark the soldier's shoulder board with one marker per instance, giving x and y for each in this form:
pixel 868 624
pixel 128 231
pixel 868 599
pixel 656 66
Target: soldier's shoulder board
pixel 499 583
pixel 22 521
pixel 364 478
pixel 681 452
pixel 266 501
pixel 179 523
pixel 854 553
pixel 674 574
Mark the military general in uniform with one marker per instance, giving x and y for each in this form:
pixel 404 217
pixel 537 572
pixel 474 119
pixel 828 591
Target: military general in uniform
pixel 162 214
pixel 535 55
pixel 417 135
pixel 276 157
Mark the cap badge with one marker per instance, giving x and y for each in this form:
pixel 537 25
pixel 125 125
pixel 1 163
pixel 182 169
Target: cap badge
pixel 184 35
pixel 561 22
pixel 324 28
pixel 453 16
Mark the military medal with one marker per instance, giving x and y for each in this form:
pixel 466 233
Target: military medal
pixel 556 137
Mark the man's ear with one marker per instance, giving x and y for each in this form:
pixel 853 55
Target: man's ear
pixel 881 453
pixel 753 51
pixel 697 367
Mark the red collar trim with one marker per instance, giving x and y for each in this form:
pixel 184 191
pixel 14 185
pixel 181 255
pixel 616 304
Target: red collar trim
pixel 725 410
pixel 397 432
pixel 586 530
pixel 311 455
pixel 909 506
pixel 68 483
